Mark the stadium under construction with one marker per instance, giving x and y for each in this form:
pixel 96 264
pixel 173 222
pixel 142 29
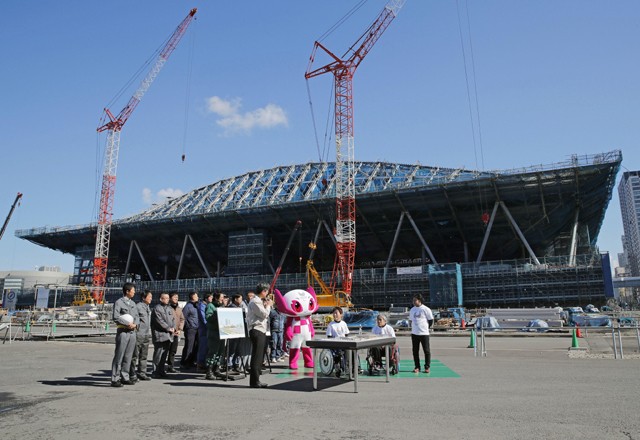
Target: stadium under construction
pixel 523 237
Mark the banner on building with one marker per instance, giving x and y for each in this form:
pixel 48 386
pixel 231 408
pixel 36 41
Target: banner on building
pixel 411 270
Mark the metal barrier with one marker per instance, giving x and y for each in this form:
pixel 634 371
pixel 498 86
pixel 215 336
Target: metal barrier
pixel 480 348
pixel 56 329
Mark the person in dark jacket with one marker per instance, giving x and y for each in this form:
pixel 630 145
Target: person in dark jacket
pixel 143 338
pixel 276 324
pixel 163 329
pixel 189 351
pixel 126 317
pixel 215 346
pixel 202 331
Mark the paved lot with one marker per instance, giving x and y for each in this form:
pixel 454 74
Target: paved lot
pixel 526 388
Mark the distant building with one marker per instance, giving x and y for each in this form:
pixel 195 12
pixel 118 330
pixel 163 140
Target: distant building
pixel 16 283
pixel 629 193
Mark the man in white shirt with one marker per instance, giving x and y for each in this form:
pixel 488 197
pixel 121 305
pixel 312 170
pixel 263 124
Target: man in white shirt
pixel 421 319
pixel 258 321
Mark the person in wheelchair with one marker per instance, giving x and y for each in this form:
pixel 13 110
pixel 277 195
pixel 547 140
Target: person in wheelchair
pixel 338 329
pixel 375 355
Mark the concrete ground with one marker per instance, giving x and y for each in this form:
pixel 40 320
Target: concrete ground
pixel 526 388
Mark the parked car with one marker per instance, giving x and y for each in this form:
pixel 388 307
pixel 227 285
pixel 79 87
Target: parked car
pixel 590 308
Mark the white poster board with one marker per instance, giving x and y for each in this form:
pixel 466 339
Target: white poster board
pixel 42 298
pixel 231 323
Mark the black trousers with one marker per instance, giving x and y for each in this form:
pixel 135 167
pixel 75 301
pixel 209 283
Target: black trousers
pixel 190 349
pixel 416 340
pixel 173 349
pixel 258 345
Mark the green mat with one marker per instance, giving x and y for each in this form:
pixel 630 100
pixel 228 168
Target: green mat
pixel 438 370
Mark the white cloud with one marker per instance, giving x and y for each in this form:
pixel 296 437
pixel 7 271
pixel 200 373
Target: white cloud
pixel 149 198
pixel 233 120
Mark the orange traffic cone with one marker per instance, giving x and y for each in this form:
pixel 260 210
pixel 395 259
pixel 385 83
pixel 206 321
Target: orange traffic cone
pixel 578 332
pixel 463 324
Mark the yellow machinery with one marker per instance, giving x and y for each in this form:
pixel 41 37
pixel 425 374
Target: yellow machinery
pixel 82 297
pixel 326 298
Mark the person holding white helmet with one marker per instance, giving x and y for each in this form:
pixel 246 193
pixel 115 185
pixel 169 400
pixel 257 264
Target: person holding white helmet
pixel 126 318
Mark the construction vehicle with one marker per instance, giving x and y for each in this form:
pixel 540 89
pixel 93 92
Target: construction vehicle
pixel 83 297
pixel 13 207
pixel 326 298
pixel 114 127
pixel 343 70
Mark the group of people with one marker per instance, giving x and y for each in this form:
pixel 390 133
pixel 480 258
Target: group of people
pixel 139 325
pixel 421 318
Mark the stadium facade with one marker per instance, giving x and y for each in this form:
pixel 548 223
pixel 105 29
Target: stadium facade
pixel 505 238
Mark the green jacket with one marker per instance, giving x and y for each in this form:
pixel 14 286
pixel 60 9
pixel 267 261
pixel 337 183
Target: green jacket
pixel 211 314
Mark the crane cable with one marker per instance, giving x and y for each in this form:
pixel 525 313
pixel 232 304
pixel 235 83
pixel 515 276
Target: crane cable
pixel 188 95
pixel 474 124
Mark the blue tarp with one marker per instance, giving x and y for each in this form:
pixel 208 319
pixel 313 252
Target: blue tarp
pixel 365 319
pixel 487 322
pixel 537 325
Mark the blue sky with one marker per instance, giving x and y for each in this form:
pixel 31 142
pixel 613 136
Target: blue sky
pixel 553 78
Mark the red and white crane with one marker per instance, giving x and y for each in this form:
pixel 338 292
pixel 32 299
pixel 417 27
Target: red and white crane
pixel 343 70
pixel 113 128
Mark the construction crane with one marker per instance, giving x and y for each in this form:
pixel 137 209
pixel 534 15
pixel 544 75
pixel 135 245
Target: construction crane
pixel 343 70
pixel 113 128
pixel 13 208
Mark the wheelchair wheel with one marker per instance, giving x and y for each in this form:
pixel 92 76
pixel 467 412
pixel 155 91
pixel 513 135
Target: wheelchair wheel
pixel 326 362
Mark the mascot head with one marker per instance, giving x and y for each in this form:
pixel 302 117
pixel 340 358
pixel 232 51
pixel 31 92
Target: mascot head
pixel 297 302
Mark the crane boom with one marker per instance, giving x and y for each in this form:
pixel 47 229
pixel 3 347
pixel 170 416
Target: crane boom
pixel 343 70
pixel 13 207
pixel 114 127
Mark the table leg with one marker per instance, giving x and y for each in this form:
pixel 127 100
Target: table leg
pixel 386 356
pixel 354 355
pixel 315 368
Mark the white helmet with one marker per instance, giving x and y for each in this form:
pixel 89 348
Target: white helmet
pixel 126 318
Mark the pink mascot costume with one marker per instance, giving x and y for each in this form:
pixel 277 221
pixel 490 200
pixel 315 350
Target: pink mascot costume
pixel 298 305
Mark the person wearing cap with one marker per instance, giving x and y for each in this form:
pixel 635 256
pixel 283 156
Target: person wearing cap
pixel 125 315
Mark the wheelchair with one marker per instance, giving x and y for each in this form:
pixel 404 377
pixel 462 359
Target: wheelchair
pixel 335 362
pixel 376 361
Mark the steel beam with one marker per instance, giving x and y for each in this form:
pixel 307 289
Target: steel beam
pixel 422 240
pixel 487 232
pixel 126 268
pixel 146 266
pixel 574 239
pixel 520 234
pixel 195 248
pixel 395 240
pixel 184 248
